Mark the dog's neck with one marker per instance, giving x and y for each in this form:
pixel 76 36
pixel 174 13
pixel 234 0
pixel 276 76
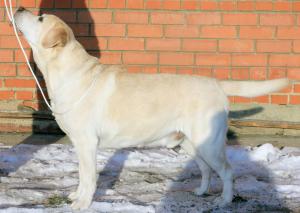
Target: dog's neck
pixel 67 72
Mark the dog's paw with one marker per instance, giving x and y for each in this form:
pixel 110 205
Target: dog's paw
pixel 221 202
pixel 73 196
pixel 81 204
pixel 200 192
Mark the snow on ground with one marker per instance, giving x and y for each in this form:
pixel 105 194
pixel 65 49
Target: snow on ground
pixel 36 179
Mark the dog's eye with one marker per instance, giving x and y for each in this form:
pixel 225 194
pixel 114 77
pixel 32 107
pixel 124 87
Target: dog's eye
pixel 41 18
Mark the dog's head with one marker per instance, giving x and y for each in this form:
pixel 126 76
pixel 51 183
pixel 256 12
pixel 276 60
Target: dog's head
pixel 43 32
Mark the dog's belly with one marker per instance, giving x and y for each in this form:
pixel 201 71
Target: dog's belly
pixel 150 138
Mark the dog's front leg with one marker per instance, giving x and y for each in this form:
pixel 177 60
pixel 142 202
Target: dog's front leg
pixel 86 148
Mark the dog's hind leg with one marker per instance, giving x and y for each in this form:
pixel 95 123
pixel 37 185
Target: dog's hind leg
pixel 208 137
pixel 204 167
pixel 86 148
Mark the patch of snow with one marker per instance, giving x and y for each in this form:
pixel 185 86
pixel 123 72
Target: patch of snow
pixel 147 180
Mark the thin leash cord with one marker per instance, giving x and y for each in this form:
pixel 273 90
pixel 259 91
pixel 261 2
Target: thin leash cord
pixel 10 15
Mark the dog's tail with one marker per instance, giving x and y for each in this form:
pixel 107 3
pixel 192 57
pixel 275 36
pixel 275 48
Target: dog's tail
pixel 251 89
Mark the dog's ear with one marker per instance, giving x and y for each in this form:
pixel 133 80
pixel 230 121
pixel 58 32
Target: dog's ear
pixel 56 37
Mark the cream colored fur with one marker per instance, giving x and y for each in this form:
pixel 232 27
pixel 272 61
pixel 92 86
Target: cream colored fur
pixel 132 110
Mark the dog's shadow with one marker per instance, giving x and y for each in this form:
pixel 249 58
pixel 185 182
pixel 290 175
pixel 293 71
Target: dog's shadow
pixel 179 196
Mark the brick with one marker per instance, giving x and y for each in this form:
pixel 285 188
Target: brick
pixel 204 18
pixel 67 16
pixel 297 88
pixel 296 6
pixel 209 5
pixel 6 29
pixel 190 4
pixel 27 3
pixel 251 32
pixel 80 29
pixel 176 58
pixel 199 45
pixel 240 19
pixel 231 99
pixel 284 60
pixel 227 5
pixel 246 5
pixel 282 6
pixel 293 73
pixel 145 31
pixel 277 19
pixel 165 69
pixel 110 57
pixel 6 95
pixel 163 44
pixel 19 56
pixel 6 55
pixel 240 73
pixel 93 43
pixel 11 42
pixel 7 69
pixel 208 59
pixel 134 69
pixel 204 72
pixel 249 60
pixel 135 4
pixel 95 17
pixel 218 32
pixel 98 3
pixel 45 4
pixel 109 30
pixel 126 44
pixel 131 17
pixel 167 18
pixel 80 3
pixel 24 95
pixel 185 70
pixel 262 99
pixel 153 4
pixel 171 5
pixel 277 73
pixel 221 73
pixel 116 4
pixel 296 46
pixel 279 99
pixel 264 5
pixel 150 69
pixel 258 73
pixel 236 46
pixel 182 31
pixel 242 100
pixel 288 33
pixel 23 70
pixel 62 4
pixel 8 42
pixel 273 46
pixel 295 99
pixel 20 83
pixel 139 58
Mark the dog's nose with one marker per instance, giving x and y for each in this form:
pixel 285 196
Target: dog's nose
pixel 20 9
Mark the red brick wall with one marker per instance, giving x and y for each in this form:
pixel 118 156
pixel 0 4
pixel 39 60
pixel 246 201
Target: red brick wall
pixel 240 40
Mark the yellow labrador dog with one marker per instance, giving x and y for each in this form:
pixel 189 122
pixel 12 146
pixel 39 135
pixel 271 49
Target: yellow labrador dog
pixel 103 106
